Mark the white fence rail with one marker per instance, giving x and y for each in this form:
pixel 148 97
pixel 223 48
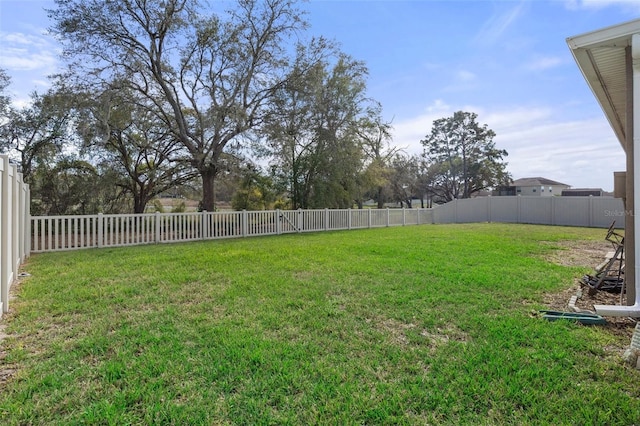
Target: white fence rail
pixel 14 228
pixel 52 233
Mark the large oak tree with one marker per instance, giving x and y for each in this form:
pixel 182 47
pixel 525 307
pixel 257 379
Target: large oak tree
pixel 208 77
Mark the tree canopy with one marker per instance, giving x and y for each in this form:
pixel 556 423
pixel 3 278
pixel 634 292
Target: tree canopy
pixel 461 157
pixel 160 92
pixel 207 77
pixel 312 132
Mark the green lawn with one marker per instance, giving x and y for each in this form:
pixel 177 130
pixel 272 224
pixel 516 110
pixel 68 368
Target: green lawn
pixel 407 325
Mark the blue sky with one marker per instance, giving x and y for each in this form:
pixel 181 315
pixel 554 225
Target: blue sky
pixel 506 60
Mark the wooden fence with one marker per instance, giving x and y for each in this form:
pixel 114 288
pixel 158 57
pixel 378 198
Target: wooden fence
pixel 14 228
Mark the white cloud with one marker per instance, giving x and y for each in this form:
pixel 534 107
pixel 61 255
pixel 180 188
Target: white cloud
pixel 544 63
pixel 631 6
pixel 22 52
pixel 408 133
pixel 580 153
pixel 465 76
pixel 28 59
pixel 499 23
pixel 462 80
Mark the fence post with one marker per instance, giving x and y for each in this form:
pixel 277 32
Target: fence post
pixel 21 219
pixel 326 219
pixel 27 231
pixel 204 224
pixel 404 216
pixel 519 208
pixel 299 223
pixel 489 208
pixel 369 218
pixel 100 226
pixel 388 217
pixel 349 218
pixel 15 231
pixel 156 227
pixel 278 222
pixel 6 269
pixel 245 223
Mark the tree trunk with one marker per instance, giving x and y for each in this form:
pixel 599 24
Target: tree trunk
pixel 208 202
pixel 380 198
pixel 139 203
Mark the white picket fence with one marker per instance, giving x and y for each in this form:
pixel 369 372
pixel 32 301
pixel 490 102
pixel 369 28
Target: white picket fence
pixel 53 233
pixel 14 229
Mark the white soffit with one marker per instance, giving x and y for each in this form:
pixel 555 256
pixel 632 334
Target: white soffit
pixel 600 55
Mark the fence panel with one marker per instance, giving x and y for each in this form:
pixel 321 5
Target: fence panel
pixel 606 210
pixel 313 220
pixel 504 209
pixel 261 223
pixel 222 225
pixel 472 210
pixel 571 211
pixel 338 219
pixel 14 227
pixel 63 232
pixel 536 210
pixel 379 218
pixel 361 218
pixel 445 213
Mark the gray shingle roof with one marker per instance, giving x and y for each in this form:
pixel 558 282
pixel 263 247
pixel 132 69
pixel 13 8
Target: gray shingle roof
pixel 537 181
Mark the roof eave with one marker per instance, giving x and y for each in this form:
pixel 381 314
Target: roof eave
pixel 616 37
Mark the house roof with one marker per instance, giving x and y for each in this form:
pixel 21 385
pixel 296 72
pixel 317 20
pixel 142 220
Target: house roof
pixel 601 56
pixel 537 181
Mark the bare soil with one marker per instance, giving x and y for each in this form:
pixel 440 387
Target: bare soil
pixel 588 254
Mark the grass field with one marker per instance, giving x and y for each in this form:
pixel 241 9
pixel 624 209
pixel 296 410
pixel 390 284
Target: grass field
pixel 408 325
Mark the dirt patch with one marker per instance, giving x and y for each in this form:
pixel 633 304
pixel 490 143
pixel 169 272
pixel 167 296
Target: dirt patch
pixel 398 331
pixel 588 254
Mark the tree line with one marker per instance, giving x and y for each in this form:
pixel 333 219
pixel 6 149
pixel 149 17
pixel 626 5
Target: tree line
pixel 164 97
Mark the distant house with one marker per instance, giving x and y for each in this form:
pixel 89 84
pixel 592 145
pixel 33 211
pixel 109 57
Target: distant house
pixel 533 186
pixel 539 186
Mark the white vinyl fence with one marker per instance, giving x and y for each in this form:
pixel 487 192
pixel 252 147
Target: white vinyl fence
pixel 593 212
pixel 52 233
pixel 14 229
